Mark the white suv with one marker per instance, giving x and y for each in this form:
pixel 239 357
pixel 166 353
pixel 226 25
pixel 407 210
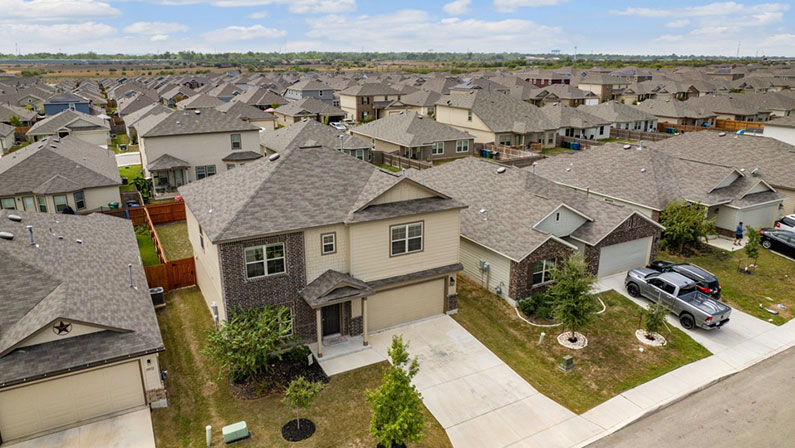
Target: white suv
pixel 786 223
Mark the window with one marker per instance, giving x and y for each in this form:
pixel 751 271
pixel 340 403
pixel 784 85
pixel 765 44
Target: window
pixel 205 171
pixel 329 243
pixel 42 204
pixel 80 200
pixel 462 146
pixel 360 154
pixel 60 203
pixel 557 216
pixel 201 237
pixel 230 166
pixel 550 137
pixel 365 100
pixel 406 238
pixel 505 140
pixel 8 204
pixel 469 115
pixel 30 205
pixel 236 143
pixel 542 271
pixel 437 148
pixel 72 106
pixel 265 260
pixel 601 130
pixel 431 111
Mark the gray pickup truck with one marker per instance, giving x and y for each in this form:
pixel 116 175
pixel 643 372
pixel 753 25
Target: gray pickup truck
pixel 680 295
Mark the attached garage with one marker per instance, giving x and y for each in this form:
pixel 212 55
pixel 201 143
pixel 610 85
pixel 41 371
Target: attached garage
pixel 622 257
pixel 70 400
pixel 405 304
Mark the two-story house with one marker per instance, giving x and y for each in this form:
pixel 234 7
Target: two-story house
pixel 623 116
pixel 368 100
pixel 184 146
pixel 603 85
pixel 63 101
pixel 310 88
pixel 349 248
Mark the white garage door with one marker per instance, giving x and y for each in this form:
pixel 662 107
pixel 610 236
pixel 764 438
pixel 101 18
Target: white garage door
pixel 70 400
pixel 622 257
pixel 401 305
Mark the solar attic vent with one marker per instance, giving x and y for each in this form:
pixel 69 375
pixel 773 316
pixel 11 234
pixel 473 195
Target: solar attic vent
pixel 500 170
pixel 7 236
pixel 15 218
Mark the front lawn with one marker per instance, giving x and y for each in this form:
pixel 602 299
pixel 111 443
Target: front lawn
pixel 774 277
pixel 174 238
pixel 130 172
pixel 611 363
pixel 198 397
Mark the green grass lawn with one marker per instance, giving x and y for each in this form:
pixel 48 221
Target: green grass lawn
pixel 198 397
pixel 389 167
pixel 556 150
pixel 121 139
pixel 610 364
pixel 130 172
pixel 174 238
pixel 18 147
pixel 146 247
pixel 774 278
pixel 614 140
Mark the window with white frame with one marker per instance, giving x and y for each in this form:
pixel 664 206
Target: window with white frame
pixel 60 203
pixel 406 238
pixel 42 203
pixel 505 140
pixel 542 271
pixel 230 166
pixel 437 148
pixel 8 204
pixel 328 243
pixel 203 171
pixel 80 200
pixel 236 142
pixel 462 146
pixel 265 260
pixel 469 115
pixel 360 154
pixel 29 203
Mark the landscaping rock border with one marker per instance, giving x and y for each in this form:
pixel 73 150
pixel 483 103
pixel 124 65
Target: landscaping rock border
pixel 582 341
pixel 658 341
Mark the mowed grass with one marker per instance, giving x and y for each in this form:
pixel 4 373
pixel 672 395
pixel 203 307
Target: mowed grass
pixel 197 396
pixel 394 169
pixel 174 238
pixel 555 150
pixel 610 364
pixel 130 172
pixel 774 277
pixel 146 247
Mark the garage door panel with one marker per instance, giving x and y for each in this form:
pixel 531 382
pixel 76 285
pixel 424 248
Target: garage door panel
pixel 126 397
pixel 17 420
pixel 624 256
pixel 94 396
pixel 406 304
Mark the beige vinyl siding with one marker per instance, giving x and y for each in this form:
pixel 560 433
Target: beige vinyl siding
pixel 789 202
pixel 781 133
pixel 567 223
pixel 405 304
pixel 404 191
pixel 758 188
pixel 499 266
pixel 370 246
pixel 46 334
pixel 725 217
pixel 208 270
pixel 729 180
pixel 458 118
pixel 348 105
pixel 316 263
pixel 94 137
pixel 100 197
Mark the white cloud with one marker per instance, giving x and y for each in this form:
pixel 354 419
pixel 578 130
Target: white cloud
pixel 72 37
pixel 159 37
pixel 415 30
pixel 52 11
pixel 513 5
pixel 154 28
pixel 295 6
pixel 711 9
pixel 240 33
pixel 258 15
pixel 457 7
pixel 678 23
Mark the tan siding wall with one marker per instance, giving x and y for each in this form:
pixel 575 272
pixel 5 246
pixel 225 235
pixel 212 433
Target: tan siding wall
pixel 208 270
pixel 457 118
pixel 499 270
pixel 404 191
pixel 786 135
pixel 150 366
pixel 789 202
pixel 405 304
pixel 93 137
pixel 370 246
pixel 568 223
pixel 316 263
pixel 47 335
pixel 348 105
pixel 100 197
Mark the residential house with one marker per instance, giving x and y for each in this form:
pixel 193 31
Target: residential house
pixel 185 146
pixel 7 137
pixel 422 102
pixel 622 116
pixel 176 94
pixel 225 91
pixel 133 103
pixel 781 129
pixel 63 101
pixel 511 242
pixel 89 128
pixel 366 101
pixel 199 101
pixel 79 339
pixel 261 98
pixel 308 109
pixel 311 133
pixel 55 173
pixel 647 179
pixel 350 250
pixel 496 118
pixel 132 120
pixel 576 122
pixel 632 74
pixel 415 136
pixel 736 107
pixel 545 78
pixel 26 117
pixel 250 114
pixel 310 88
pixel 560 93
pixel 603 85
pixel 677 112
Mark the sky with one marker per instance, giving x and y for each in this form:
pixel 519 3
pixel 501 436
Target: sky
pixel 524 26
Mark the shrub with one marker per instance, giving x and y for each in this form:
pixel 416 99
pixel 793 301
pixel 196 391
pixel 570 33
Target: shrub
pixel 654 317
pixel 298 353
pixel 573 300
pixel 752 245
pixel 539 305
pixel 685 224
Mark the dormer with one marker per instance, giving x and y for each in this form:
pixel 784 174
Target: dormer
pixel 562 221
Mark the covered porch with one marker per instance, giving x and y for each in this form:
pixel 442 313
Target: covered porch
pixel 168 173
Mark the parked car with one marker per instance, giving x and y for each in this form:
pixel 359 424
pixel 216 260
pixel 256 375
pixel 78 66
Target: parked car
pixel 781 241
pixel 786 223
pixel 706 282
pixel 680 295
pixel 338 126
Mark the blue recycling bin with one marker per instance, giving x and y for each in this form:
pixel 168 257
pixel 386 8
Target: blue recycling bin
pixel 575 146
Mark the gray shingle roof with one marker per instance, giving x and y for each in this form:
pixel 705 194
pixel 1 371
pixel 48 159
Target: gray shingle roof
pixel 410 129
pixel 7 110
pixel 51 166
pixel 332 286
pixel 616 112
pixel 260 97
pixel 6 129
pixel 563 116
pixel 199 101
pixel 187 122
pixel 166 162
pixel 308 106
pixel 304 188
pixel 786 122
pixel 309 84
pixel 244 111
pixel 65 119
pixel 86 282
pixel 369 89
pixel 672 108
pixel 65 98
pixel 308 133
pixel 241 155
pixel 421 98
pixel 500 112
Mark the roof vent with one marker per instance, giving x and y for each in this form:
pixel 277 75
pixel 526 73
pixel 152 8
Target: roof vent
pixel 79 242
pixel 274 157
pixel 643 170
pixel 179 123
pixel 15 218
pixel 721 134
pixel 30 231
pixel 500 170
pixel 197 112
pixel 7 235
pixel 627 146
pixel 755 172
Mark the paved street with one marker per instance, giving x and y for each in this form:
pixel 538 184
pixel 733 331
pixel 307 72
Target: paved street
pixel 753 408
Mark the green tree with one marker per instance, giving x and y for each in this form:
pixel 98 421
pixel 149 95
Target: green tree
pixel 752 244
pixel 300 394
pixel 685 224
pixel 654 317
pixel 573 302
pixel 243 345
pixel 15 121
pixel 397 405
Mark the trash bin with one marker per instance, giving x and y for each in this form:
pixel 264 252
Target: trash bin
pixel 564 145
pixel 488 154
pixel 113 205
pixel 482 153
pixel 575 146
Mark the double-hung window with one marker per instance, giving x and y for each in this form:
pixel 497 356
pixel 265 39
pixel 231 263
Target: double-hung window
pixel 80 200
pixel 462 146
pixel 329 243
pixel 542 271
pixel 60 203
pixel 42 203
pixel 8 204
pixel 236 142
pixel 203 171
pixel 265 260
pixel 29 203
pixel 406 238
pixel 469 115
pixel 437 148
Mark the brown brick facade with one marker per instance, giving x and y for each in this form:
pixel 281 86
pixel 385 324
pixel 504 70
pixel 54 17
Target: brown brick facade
pixel 357 327
pixel 521 283
pixel 451 304
pixel 631 229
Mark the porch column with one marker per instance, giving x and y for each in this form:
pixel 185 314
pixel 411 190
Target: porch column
pixel 364 320
pixel 319 319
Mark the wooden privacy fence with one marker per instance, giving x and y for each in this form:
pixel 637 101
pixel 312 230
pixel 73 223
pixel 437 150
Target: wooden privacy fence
pixel 172 274
pixel 734 126
pixel 404 162
pixel 584 143
pixel 720 126
pixel 626 134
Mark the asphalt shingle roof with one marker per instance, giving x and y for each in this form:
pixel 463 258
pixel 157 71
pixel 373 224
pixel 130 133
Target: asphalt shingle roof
pixel 65 119
pixel 308 133
pixel 410 129
pixel 500 112
pixel 187 122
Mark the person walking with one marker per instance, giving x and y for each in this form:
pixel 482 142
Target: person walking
pixel 738 234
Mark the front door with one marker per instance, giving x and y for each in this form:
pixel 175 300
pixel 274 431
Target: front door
pixel 178 178
pixel 331 320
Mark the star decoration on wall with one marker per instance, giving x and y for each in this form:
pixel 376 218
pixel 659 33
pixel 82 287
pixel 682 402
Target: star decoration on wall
pixel 62 328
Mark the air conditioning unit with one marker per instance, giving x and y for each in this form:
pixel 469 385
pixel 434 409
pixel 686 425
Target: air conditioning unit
pixel 158 297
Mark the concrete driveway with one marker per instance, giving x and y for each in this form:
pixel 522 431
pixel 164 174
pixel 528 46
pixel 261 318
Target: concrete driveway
pixel 130 430
pixel 476 397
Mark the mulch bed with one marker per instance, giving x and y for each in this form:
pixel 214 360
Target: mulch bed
pixel 279 375
pixel 292 433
